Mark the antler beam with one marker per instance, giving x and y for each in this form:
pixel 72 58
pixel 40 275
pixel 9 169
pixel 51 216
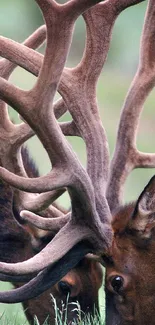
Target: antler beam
pixel 126 156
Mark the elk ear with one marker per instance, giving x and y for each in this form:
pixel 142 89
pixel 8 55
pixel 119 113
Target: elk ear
pixel 143 218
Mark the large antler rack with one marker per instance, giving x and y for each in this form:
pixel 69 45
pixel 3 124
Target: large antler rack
pixel 66 171
pixel 90 215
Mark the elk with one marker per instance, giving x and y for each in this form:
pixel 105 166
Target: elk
pixel 19 242
pixel 121 236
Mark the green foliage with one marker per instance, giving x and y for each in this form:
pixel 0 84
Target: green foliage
pixel 82 319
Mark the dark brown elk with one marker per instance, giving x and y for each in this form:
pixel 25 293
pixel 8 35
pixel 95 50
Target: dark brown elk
pixel 122 237
pixel 18 243
pixel 130 275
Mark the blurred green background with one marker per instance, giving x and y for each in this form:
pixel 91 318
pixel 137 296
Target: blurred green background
pixel 19 18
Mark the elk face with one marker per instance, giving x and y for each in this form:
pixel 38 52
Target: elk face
pixel 130 275
pixel 80 285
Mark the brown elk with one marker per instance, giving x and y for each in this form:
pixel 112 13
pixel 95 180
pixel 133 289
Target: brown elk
pixel 19 242
pixel 124 242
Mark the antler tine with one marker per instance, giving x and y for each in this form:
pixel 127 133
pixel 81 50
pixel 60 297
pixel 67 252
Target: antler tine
pixel 9 48
pixel 53 218
pixel 126 156
pixel 40 202
pixel 51 224
pixel 35 108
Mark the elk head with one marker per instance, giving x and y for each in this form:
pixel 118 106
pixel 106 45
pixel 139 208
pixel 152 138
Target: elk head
pixel 95 192
pixel 130 275
pixel 19 242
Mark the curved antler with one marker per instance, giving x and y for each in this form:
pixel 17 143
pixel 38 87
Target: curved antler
pixel 126 156
pixel 46 278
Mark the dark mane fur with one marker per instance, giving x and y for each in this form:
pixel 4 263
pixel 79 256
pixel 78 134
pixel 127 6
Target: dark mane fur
pixel 12 235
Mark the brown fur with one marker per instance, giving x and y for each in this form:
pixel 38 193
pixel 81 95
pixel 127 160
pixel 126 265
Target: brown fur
pixel 133 259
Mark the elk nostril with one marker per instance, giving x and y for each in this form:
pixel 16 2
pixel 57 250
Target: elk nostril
pixel 117 283
pixel 64 288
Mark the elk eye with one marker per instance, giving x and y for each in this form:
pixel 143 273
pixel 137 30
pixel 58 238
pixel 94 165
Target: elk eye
pixel 64 288
pixel 117 283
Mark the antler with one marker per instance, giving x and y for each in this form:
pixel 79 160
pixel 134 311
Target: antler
pixel 35 108
pixel 45 279
pixel 90 215
pixel 126 156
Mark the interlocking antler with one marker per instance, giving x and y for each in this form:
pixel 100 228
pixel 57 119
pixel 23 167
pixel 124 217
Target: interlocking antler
pixel 45 279
pixel 35 106
pixel 90 215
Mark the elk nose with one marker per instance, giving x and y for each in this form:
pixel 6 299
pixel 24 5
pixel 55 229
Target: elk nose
pixel 69 284
pixel 64 288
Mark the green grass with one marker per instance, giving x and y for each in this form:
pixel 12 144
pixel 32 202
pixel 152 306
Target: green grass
pixel 16 317
pixel 81 318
